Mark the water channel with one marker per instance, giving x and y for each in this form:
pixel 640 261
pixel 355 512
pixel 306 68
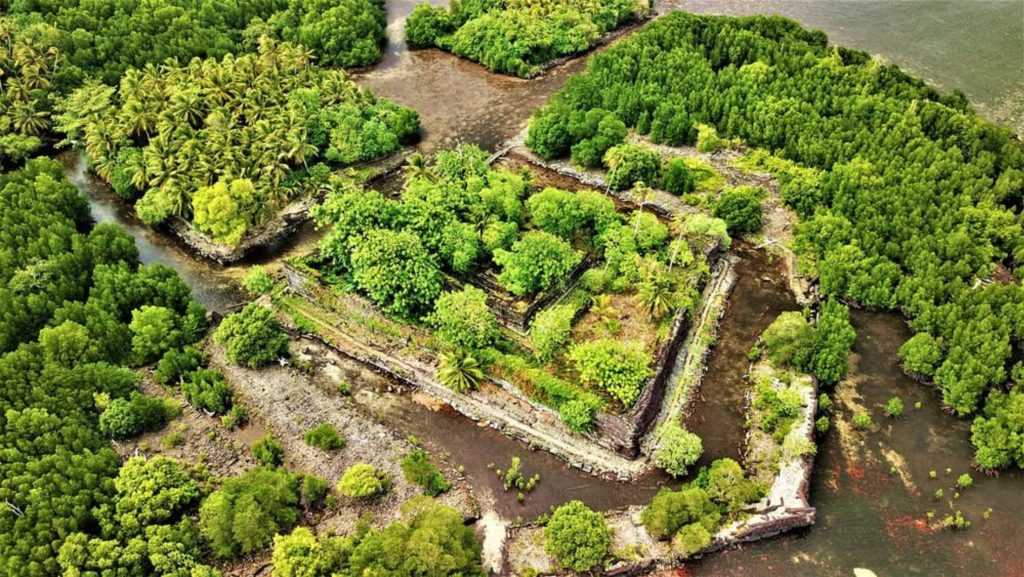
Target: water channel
pixel 872 490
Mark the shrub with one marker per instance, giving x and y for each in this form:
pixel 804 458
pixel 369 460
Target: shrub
pixel 578 414
pixel 822 424
pixel 862 421
pixel 551 330
pixel 324 436
pixel 464 321
pixel 362 481
pixel 396 272
pixel 125 418
pixel 314 490
pixel 894 407
pixel 629 164
pixel 577 537
pixel 268 451
pixel 430 539
pixel 616 367
pixel 690 539
pixel 536 262
pixel 418 469
pixel 677 450
pixel 778 408
pixel 670 511
pixel 176 363
pixel 247 511
pixel 252 337
pixel 964 481
pixel 740 208
pixel 257 281
pixel 707 139
pixel 676 177
pixel 208 390
pixel 236 417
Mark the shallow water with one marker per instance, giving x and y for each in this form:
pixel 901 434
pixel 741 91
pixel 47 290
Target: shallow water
pixel 760 294
pixel 867 515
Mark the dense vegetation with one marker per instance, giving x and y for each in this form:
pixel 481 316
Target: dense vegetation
pixel 461 224
pixel 691 515
pixel 226 143
pixel 518 36
pixel 49 48
pixel 908 200
pixel 429 539
pixel 74 317
pixel 104 40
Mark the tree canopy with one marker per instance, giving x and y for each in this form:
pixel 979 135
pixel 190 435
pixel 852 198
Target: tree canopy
pixel 519 36
pixel 226 143
pixel 912 201
pixel 71 302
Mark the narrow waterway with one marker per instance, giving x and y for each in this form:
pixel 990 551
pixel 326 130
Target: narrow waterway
pixel 760 294
pixel 872 489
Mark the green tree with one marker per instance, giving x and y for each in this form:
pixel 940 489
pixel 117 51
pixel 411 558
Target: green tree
pixel 247 511
pixel 616 367
pixel 252 337
pixel 225 211
pixel 740 208
pixel 396 272
pixel 556 211
pixel 677 178
pixel 154 332
pixel 577 537
pixel 464 321
pixel 678 449
pixel 551 330
pixel 629 164
pixel 363 481
pixel 535 263
pixel 921 354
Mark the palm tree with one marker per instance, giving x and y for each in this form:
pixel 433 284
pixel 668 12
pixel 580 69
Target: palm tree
pixel 416 167
pixel 606 313
pixel 655 290
pixel 459 371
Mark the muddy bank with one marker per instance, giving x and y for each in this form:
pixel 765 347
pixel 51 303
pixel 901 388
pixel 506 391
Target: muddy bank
pixel 290 401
